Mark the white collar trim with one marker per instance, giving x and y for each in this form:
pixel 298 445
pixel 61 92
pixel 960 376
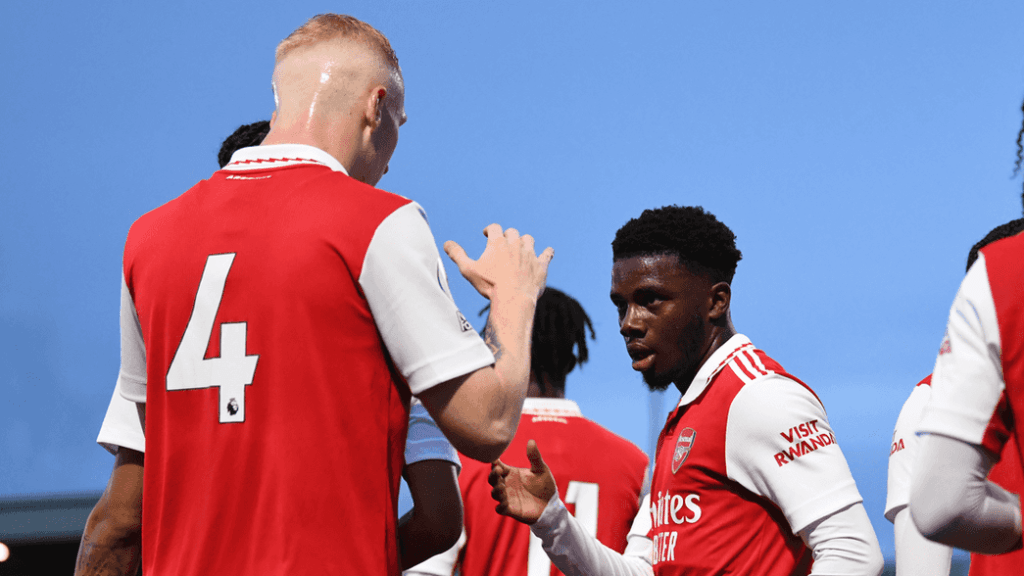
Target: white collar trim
pixel 719 358
pixel 551 407
pixel 280 155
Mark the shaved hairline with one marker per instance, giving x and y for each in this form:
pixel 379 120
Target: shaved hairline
pixel 325 27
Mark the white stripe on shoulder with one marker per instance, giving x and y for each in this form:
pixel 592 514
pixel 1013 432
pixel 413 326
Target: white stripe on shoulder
pixel 739 370
pixel 757 362
pixel 744 359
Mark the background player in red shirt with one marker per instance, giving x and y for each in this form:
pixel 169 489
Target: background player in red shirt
pixel 277 316
pixel 748 478
pixel 601 475
pixel 915 554
pixel 977 399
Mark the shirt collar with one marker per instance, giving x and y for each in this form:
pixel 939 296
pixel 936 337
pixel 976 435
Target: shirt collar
pixel 714 364
pixel 551 407
pixel 280 155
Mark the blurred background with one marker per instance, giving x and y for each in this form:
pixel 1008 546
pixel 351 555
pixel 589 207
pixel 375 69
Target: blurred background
pixel 857 151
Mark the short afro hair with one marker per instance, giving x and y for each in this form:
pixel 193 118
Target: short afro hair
pixel 246 135
pixel 702 243
pixel 1011 228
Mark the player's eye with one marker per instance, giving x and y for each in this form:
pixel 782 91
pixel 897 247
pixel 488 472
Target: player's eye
pixel 649 299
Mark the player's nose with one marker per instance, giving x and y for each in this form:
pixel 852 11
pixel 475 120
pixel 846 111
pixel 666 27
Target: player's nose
pixel 631 324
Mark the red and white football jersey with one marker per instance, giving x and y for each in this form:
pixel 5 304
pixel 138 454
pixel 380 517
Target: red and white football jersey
pixel 978 382
pixel 745 462
pixel 1006 473
pixel 599 475
pixel 275 319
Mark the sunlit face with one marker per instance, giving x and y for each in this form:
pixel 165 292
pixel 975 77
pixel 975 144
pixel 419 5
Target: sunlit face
pixel 663 317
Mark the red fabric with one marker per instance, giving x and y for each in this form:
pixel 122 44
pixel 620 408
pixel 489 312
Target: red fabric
pixel 308 483
pixel 703 522
pixel 575 449
pixel 1003 264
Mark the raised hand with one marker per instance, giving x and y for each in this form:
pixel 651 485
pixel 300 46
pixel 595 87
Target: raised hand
pixel 508 262
pixel 522 493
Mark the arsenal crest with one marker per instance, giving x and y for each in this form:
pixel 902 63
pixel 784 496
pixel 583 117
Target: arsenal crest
pixel 683 445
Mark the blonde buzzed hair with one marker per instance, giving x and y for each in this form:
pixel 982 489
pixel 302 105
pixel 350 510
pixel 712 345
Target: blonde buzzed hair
pixel 330 26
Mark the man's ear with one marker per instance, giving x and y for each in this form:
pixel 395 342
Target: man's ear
pixel 721 297
pixel 375 105
pixel 273 118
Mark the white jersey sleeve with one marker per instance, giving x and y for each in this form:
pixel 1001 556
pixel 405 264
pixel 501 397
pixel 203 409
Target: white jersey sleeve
pixel 131 380
pixel 576 553
pixel 915 554
pixel 903 451
pixel 779 445
pixel 405 284
pixel 425 440
pixel 967 384
pixel 121 426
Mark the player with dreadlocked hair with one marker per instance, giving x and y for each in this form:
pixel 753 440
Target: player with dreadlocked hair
pixel 1020 149
pixel 559 327
pixel 603 475
pixel 748 477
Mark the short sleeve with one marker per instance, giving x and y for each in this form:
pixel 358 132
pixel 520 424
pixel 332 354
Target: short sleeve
pixel 779 445
pixel 131 379
pixel 405 284
pixel 967 385
pixel 121 426
pixel 425 440
pixel 903 450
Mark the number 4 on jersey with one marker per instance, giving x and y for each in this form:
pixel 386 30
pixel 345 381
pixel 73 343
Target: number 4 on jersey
pixel 232 371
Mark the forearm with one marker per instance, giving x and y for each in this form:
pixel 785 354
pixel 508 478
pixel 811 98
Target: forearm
pixel 508 334
pixel 108 549
pixel 435 521
pixel 844 544
pixel 416 541
pixel 915 554
pixel 575 552
pixel 952 503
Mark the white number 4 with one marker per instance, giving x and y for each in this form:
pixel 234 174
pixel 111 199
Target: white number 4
pixel 232 371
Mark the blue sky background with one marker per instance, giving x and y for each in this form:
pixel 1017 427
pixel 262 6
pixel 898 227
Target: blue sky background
pixel 856 150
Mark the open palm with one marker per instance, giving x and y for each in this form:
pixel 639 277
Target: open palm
pixel 522 493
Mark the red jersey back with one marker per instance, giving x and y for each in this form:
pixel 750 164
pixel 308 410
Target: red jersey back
pixel 599 476
pixel 1006 277
pixel 275 419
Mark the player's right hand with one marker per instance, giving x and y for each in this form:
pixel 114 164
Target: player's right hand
pixel 508 262
pixel 522 493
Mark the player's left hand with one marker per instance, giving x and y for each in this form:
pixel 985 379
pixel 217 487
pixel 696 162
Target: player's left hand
pixel 522 493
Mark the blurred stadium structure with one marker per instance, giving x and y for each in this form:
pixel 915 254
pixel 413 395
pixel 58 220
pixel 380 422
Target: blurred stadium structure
pixel 42 532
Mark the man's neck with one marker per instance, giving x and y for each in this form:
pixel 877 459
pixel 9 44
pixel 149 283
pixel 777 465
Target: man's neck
pixel 534 391
pixel 718 337
pixel 293 135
